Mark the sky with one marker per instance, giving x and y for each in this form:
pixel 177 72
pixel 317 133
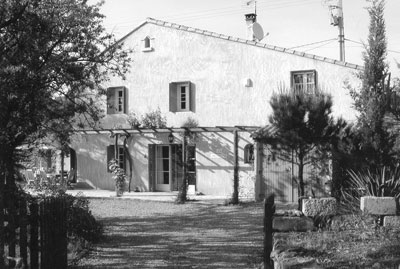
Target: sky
pixel 290 23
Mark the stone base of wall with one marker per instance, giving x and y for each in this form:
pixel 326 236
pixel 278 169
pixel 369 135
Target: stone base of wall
pixel 378 205
pixel 292 224
pixel 319 206
pixel 391 221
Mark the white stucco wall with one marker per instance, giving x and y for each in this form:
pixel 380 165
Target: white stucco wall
pixel 217 69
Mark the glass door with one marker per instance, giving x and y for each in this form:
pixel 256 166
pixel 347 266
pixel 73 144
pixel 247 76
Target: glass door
pixel 163 168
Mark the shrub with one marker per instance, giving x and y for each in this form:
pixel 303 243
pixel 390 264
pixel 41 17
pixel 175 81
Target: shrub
pixel 152 119
pixel 81 222
pixel 119 176
pixel 383 182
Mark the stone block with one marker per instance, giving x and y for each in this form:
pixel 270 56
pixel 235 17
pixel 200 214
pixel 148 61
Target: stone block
pixel 378 205
pixel 319 206
pixel 391 221
pixel 290 224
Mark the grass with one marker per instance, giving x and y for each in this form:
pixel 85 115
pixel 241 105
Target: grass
pixel 352 242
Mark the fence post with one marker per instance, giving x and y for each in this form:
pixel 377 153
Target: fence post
pixel 269 210
pixel 23 239
pixel 34 234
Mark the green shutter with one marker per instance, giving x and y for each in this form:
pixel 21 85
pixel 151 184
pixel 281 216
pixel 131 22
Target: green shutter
pixel 177 166
pixel 110 156
pixel 125 92
pixel 173 98
pixel 191 97
pixel 111 101
pixel 152 167
pixel 191 165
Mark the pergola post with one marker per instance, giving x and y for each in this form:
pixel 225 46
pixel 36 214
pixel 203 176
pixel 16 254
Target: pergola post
pixel 235 196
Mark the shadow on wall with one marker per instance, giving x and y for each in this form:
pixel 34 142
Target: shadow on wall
pixel 213 144
pixel 91 154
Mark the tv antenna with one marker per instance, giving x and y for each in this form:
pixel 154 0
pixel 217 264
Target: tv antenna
pixel 336 12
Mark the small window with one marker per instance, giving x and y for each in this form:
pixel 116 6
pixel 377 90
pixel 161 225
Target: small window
pixel 180 97
pixel 120 156
pixel 248 153
pixel 116 100
pixel 147 44
pixel 304 80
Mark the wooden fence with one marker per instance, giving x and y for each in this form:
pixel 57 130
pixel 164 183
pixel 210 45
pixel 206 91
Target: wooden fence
pixel 41 234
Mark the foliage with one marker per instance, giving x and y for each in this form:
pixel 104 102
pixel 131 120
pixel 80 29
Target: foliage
pixel 371 99
pixel 119 175
pixel 190 122
pixel 380 183
pixel 54 55
pixel 81 222
pixel 303 124
pixel 152 119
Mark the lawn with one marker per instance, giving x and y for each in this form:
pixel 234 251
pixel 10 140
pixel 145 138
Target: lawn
pixel 147 234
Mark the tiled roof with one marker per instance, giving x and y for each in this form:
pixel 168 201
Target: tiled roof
pixel 243 41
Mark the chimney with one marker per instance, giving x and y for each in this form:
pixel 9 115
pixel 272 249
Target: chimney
pixel 250 19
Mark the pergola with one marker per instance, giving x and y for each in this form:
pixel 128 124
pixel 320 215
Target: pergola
pixel 116 132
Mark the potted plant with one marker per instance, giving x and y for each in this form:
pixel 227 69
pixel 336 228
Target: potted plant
pixel 119 177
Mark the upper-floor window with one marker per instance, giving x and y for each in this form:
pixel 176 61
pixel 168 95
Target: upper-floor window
pixel 147 46
pixel 180 97
pixel 304 80
pixel 116 100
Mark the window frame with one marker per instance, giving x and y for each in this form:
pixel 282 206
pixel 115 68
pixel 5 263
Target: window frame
pixel 121 156
pixel 183 98
pixel 305 85
pixel 147 44
pixel 116 103
pixel 176 96
pixel 248 153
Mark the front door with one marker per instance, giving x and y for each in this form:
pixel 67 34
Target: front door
pixel 166 167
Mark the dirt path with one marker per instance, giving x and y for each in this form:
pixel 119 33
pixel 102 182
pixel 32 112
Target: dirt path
pixel 141 234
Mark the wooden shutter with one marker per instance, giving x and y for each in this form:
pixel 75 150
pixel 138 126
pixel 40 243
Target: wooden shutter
pixel 190 96
pixel 152 166
pixel 177 166
pixel 173 98
pixel 110 155
pixel 191 165
pixel 111 101
pixel 125 92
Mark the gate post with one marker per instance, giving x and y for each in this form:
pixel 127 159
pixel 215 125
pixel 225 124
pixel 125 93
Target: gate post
pixel 269 210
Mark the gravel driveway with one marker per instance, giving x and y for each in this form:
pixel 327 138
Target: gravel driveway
pixel 147 234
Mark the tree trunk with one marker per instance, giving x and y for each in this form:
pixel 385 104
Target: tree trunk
pixel 10 189
pixel 129 157
pixel 301 181
pixel 182 192
pixel 2 180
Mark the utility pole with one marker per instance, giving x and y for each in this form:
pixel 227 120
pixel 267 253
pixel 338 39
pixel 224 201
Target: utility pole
pixel 336 12
pixel 341 32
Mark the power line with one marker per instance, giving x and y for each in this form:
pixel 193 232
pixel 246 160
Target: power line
pixel 321 45
pixel 190 16
pixel 314 43
pixel 393 51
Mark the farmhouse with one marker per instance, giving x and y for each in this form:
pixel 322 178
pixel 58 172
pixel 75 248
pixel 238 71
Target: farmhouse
pixel 225 84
